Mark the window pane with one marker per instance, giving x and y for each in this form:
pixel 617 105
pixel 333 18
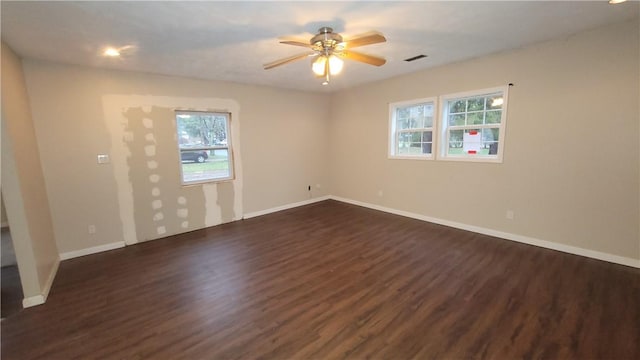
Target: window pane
pixel 474 118
pixel 406 143
pixel 427 139
pixel 215 167
pixel 457 106
pixel 495 102
pixel 455 142
pixel 493 148
pixel 428 115
pixel 197 134
pixel 475 104
pixel 403 150
pixel 414 117
pixel 490 139
pixel 428 121
pixel 414 143
pixel 456 120
pixel 416 149
pixel 455 135
pixel 416 120
pixel 472 124
pixel 402 118
pixel 404 140
pixel 428 110
pixel 219 130
pixel 198 156
pixel 201 130
pixel 493 117
pixel 411 121
pixel 490 134
pixel 402 123
pixel 455 148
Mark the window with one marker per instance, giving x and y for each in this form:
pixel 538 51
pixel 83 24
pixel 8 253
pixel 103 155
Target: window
pixel 204 143
pixel 411 128
pixel 472 125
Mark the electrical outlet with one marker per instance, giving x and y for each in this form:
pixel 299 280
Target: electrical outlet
pixel 510 214
pixel 92 229
pixel 380 193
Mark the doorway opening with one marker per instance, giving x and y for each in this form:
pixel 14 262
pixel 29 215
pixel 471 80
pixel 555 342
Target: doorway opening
pixel 11 288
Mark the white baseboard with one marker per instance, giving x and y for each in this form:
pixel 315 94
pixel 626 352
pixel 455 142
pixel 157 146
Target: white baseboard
pixel 49 283
pixel 477 229
pixel 32 301
pixel 91 250
pixel 500 234
pixel 285 207
pixel 40 299
pixel 120 244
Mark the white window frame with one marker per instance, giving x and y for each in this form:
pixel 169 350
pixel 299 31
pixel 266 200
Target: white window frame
pixel 227 147
pixel 393 132
pixel 443 134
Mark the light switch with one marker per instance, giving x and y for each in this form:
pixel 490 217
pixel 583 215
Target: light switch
pixel 103 159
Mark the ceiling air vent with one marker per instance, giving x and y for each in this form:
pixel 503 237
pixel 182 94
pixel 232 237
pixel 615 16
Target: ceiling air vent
pixel 415 58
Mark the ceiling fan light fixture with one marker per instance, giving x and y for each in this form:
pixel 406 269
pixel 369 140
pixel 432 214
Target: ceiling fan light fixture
pixel 335 65
pixel 328 51
pixel 324 64
pixel 318 66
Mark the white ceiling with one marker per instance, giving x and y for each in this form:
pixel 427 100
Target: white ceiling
pixel 231 40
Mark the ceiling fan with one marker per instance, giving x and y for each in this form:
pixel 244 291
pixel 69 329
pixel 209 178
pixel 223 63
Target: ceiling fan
pixel 328 49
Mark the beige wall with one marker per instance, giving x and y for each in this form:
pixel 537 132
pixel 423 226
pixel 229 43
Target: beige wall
pixel 571 160
pixel 23 185
pixel 280 147
pixel 3 212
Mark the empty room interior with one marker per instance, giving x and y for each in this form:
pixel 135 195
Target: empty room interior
pixel 312 180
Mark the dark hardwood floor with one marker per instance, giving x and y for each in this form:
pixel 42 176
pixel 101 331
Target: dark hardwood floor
pixel 332 280
pixel 11 294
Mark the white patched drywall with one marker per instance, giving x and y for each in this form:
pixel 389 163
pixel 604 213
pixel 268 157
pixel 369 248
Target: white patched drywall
pixel 163 222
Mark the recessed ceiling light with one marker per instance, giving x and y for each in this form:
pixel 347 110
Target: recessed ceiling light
pixel 111 52
pixel 117 52
pixel 616 1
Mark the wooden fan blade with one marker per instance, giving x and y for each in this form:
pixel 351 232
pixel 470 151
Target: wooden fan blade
pixel 286 60
pixel 364 39
pixel 367 59
pixel 296 43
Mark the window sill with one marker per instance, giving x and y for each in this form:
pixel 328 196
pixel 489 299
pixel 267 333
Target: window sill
pixel 497 160
pixel 396 157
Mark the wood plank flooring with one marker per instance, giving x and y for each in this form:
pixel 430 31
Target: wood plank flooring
pixel 332 280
